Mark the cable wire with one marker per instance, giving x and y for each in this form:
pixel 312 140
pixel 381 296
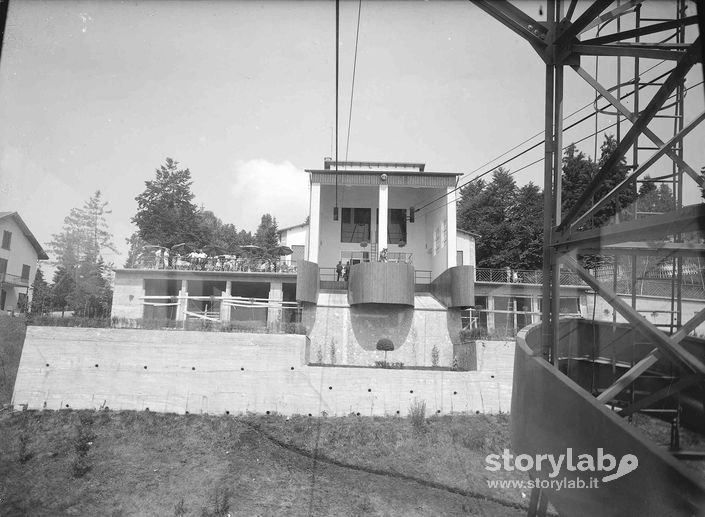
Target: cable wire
pixel 535 146
pixel 529 164
pixel 352 88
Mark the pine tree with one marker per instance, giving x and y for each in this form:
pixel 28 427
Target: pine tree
pixel 526 219
pixel 41 294
pixel 266 235
pixel 81 279
pixel 166 215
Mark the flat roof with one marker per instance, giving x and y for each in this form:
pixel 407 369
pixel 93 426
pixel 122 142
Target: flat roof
pixel 376 172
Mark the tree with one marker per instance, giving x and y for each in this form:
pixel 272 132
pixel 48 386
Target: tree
pixel 486 209
pixel 136 249
pixel 526 219
pixel 91 296
pixel 84 235
pixel 266 235
pixel 80 281
pixel 653 199
pixel 385 345
pixel 578 172
pixel 41 294
pixel 63 284
pixel 166 215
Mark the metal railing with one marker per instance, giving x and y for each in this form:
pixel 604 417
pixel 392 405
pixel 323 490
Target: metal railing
pixel 422 277
pixel 512 276
pixel 243 265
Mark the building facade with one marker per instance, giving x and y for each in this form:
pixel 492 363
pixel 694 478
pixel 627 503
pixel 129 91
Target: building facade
pixel 19 255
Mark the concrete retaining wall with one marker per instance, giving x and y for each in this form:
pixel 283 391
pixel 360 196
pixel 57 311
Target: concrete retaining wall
pixel 345 335
pixel 203 372
pixel 656 310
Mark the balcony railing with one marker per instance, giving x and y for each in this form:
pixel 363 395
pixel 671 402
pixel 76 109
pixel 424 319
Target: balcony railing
pixel 511 276
pixel 14 280
pixel 243 265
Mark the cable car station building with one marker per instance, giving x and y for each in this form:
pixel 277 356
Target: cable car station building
pixel 409 272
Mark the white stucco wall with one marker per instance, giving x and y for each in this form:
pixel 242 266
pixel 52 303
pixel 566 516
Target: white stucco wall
pixel 329 243
pixel 296 236
pixel 434 218
pixel 21 253
pixel 466 244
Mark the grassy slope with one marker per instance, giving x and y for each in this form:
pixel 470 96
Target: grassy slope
pixel 12 332
pixel 146 463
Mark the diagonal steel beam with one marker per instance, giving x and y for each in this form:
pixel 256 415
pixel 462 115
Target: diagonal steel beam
pixel 664 149
pixel 517 20
pixel 614 13
pixel 687 219
pixel 649 360
pixel 625 380
pixel 667 345
pixel 571 10
pixel 632 117
pixel 641 31
pixel 679 72
pixel 572 30
pixel 661 394
pixel 627 50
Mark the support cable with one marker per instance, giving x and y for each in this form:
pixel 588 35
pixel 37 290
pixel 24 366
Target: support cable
pixel 352 88
pixel 591 135
pixel 488 171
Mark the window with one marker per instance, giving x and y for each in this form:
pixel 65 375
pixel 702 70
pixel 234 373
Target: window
pixel 6 239
pixel 437 240
pixel 25 272
pixel 3 267
pixel 355 224
pixel 444 227
pixel 459 257
pixel 396 228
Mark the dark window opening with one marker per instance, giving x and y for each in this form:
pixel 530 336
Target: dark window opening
pixel 355 224
pixel 396 227
pixel 25 272
pixel 6 239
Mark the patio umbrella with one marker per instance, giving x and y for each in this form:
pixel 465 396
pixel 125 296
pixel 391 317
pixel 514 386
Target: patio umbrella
pixel 281 250
pixel 250 247
pixel 214 249
pixel 181 247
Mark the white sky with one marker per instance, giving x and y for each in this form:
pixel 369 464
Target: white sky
pixel 94 95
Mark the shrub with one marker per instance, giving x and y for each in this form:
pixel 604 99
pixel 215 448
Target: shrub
pixel 385 364
pixel 82 443
pixel 417 414
pixel 332 351
pixel 180 508
pixel 220 504
pixel 483 334
pixel 70 321
pixel 25 428
pixel 434 356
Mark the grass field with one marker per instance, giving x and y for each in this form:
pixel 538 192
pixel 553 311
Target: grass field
pixel 129 463
pixel 12 332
